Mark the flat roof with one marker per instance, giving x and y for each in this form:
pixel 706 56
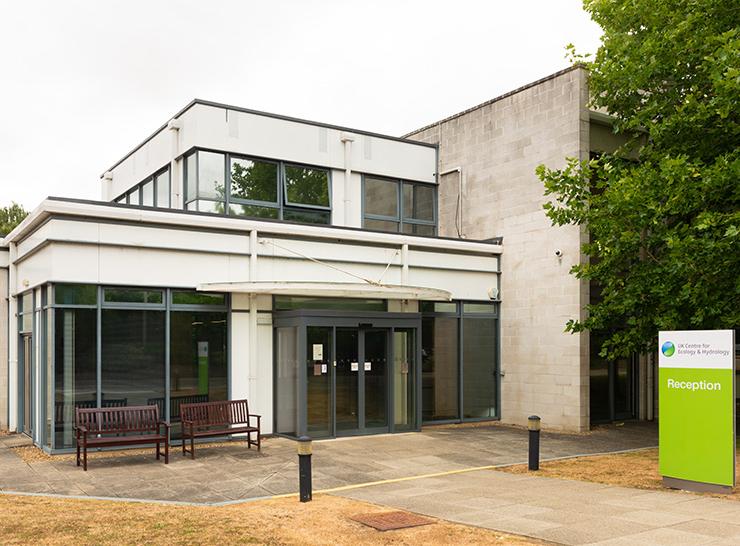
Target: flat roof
pixel 265 114
pixel 212 221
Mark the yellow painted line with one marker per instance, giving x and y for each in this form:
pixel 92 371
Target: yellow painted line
pixel 406 479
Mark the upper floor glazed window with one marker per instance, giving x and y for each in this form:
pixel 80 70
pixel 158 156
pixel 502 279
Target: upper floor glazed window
pixel 257 188
pixel 399 206
pixel 152 192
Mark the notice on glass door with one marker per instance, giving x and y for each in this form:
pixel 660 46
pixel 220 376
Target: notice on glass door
pixel 318 351
pixel 354 366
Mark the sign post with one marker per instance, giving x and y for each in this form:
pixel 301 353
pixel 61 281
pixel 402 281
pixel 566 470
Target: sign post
pixel 697 409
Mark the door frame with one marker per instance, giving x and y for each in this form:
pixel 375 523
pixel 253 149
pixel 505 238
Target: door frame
pixel 362 320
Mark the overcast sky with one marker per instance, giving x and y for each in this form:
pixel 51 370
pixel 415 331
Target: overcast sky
pixel 83 82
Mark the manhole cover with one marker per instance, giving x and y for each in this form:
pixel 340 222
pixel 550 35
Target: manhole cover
pixel 387 521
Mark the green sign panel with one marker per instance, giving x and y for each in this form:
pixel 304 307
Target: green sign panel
pixel 697 407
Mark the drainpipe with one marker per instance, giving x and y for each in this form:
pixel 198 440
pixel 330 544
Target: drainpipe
pixel 459 211
pixel 12 340
pixel 405 264
pixel 347 139
pixel 404 272
pixel 252 316
pixel 174 126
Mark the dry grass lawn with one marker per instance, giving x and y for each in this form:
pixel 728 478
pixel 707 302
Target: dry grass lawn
pixel 638 469
pixel 324 521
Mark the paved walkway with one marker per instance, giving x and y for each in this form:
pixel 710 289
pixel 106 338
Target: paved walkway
pixel 232 472
pixel 564 511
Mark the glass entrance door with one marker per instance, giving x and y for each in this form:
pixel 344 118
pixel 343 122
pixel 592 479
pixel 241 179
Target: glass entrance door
pixel 361 385
pixel 336 378
pixel 347 370
pixel 374 374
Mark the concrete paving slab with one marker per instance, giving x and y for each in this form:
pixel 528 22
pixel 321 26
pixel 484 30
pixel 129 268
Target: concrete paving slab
pixel 563 511
pixel 337 463
pixel 719 529
pixel 655 517
pixel 669 537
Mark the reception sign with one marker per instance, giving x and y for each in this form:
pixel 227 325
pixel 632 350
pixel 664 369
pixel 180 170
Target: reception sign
pixel 697 409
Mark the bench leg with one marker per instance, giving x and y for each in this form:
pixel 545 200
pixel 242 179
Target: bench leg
pixel 249 440
pixel 184 441
pixel 166 452
pixel 84 457
pixel 157 450
pixel 78 453
pixel 192 447
pixel 259 442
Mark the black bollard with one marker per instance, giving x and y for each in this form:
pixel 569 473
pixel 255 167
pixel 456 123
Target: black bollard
pixel 534 442
pixel 304 468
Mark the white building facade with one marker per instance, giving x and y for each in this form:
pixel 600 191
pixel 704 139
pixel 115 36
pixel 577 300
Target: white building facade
pixel 238 254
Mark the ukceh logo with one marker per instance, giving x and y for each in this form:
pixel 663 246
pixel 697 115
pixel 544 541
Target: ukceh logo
pixel 668 348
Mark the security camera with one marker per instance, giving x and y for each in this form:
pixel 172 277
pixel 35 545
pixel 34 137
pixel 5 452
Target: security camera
pixel 493 293
pixel 558 253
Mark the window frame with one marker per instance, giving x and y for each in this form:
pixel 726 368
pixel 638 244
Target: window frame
pixel 125 197
pixel 253 202
pixel 281 205
pixel 460 315
pixel 400 220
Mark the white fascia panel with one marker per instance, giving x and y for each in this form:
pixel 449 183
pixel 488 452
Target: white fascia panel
pixel 330 289
pixel 293 141
pixel 144 162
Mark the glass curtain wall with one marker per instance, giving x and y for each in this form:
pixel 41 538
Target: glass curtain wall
pixel 131 325
pixel 286 380
pixel 460 357
pixel 198 360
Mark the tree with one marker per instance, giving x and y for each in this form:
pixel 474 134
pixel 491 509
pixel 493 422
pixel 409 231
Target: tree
pixel 662 211
pixel 10 217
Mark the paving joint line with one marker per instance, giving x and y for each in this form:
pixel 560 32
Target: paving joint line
pixel 327 491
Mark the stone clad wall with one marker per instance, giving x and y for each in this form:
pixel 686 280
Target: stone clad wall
pixel 499 145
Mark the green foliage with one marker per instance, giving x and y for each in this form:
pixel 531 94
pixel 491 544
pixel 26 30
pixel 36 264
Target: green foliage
pixel 664 230
pixel 10 217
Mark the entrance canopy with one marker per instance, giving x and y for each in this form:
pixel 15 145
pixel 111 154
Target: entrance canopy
pixel 330 290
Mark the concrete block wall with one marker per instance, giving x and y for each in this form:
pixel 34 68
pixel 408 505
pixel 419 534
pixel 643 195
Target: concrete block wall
pixel 498 145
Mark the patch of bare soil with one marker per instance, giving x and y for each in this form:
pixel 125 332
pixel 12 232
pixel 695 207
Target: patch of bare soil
pixel 324 521
pixel 638 469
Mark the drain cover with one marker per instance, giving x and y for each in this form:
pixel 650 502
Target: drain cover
pixel 388 521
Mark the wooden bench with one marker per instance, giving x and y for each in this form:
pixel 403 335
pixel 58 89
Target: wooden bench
pixel 209 419
pixel 65 413
pixel 130 425
pixel 175 402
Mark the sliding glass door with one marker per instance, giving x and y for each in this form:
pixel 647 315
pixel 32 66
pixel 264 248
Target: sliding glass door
pixel 352 379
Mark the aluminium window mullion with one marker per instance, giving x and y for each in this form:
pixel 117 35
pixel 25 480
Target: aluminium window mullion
pixel 197 181
pixel 281 190
pixel 227 181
